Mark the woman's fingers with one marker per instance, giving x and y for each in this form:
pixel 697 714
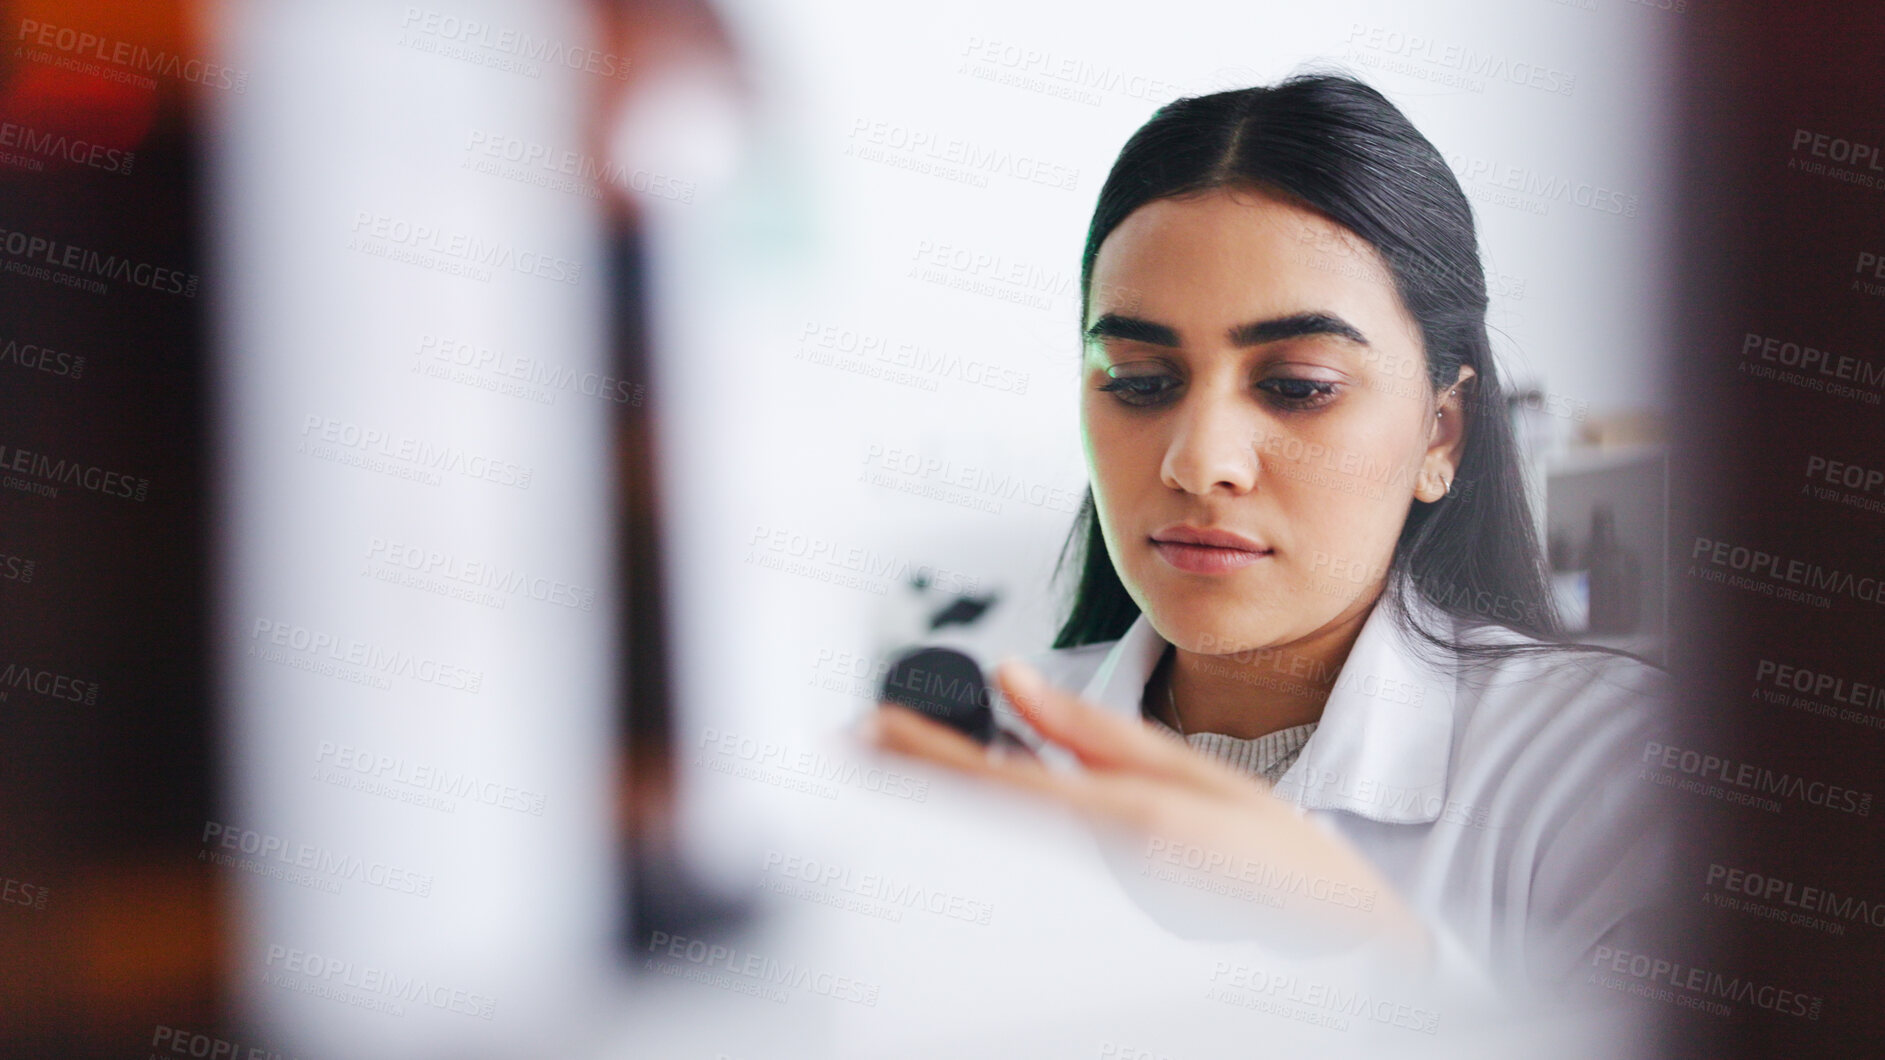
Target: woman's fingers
pixel 1103 740
pixel 1006 742
pixel 1138 800
pixel 1252 836
pixel 1117 798
pixel 1097 738
pixel 898 728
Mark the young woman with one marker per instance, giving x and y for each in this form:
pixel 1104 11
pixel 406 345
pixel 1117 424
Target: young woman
pixel 1307 554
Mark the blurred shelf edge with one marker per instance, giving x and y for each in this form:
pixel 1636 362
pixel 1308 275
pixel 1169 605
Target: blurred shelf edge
pixel 1586 459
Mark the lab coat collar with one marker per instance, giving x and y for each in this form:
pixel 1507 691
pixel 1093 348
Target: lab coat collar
pixel 1385 739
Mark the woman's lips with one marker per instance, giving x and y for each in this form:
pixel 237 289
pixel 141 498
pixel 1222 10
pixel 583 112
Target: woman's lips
pixel 1206 559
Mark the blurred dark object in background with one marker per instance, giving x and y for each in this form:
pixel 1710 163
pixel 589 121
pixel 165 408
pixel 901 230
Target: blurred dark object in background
pixel 1769 247
pixel 105 704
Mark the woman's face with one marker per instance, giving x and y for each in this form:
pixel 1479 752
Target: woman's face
pixel 1250 371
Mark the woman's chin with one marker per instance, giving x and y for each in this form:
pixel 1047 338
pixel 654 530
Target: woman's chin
pixel 1218 630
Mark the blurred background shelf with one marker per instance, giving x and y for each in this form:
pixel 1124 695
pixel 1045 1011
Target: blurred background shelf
pixel 1631 482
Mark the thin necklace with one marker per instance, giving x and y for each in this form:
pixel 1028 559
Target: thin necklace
pixel 1173 700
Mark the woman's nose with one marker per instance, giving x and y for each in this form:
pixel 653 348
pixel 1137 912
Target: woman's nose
pixel 1213 447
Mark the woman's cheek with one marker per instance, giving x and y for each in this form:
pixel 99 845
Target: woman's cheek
pixel 1122 473
pixel 1335 534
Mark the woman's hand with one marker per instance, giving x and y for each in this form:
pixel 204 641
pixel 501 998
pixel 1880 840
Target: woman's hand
pixel 1201 821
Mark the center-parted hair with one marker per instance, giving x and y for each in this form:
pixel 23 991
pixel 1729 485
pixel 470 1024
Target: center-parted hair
pixel 1338 147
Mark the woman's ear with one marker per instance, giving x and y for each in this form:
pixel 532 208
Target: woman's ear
pixel 1446 439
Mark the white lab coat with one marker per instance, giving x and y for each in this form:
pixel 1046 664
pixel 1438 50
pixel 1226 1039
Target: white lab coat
pixel 1502 802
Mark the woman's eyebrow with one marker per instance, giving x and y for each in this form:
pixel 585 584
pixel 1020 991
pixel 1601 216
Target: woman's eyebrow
pixel 1255 333
pixel 1295 326
pixel 1115 326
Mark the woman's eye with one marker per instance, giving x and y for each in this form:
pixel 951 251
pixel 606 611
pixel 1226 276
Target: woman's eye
pixel 1140 390
pixel 1298 393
